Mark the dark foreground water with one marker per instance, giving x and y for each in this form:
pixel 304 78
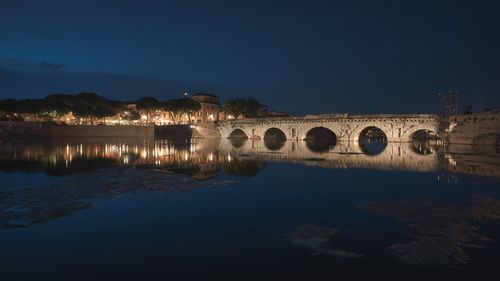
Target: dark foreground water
pixel 111 209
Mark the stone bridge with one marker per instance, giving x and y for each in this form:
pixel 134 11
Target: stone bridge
pixel 345 128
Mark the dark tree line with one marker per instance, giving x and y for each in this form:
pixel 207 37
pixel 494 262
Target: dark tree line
pixel 84 105
pixel 90 105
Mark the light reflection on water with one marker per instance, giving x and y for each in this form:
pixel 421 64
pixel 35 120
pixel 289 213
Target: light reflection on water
pixel 330 220
pixel 203 158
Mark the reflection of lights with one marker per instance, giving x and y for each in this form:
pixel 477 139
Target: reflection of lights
pixel 211 157
pixel 144 154
pixel 229 158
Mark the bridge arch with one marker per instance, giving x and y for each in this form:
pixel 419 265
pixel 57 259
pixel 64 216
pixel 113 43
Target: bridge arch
pixel 423 134
pixel 320 139
pixel 419 132
pixel 275 134
pixel 424 141
pixel 372 132
pixel 274 139
pixel 372 140
pixel 237 134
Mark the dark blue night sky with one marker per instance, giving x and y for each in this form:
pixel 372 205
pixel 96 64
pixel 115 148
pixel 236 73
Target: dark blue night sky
pixel 296 56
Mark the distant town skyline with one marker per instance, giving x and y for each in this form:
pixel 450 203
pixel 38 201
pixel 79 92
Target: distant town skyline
pixel 294 56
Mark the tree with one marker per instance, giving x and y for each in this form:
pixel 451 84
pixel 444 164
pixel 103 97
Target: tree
pixel 173 108
pixel 91 99
pixel 233 107
pixel 9 105
pixel 81 110
pixel 251 107
pixel 59 109
pixel 148 105
pixel 188 106
pixel 131 116
pixel 248 107
pixel 32 106
pixel 118 106
pixel 104 112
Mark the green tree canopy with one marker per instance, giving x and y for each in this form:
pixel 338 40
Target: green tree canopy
pixel 9 105
pixel 92 99
pixel 172 106
pixel 188 105
pixel 82 110
pixel 117 105
pixel 104 112
pixel 248 107
pixel 147 104
pixel 32 106
pixel 182 106
pixel 58 109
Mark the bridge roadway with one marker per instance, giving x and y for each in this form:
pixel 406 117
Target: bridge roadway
pixel 347 128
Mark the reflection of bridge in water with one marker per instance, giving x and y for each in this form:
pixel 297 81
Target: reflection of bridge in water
pixel 204 158
pixel 396 156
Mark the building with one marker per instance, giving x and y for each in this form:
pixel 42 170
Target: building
pixel 210 108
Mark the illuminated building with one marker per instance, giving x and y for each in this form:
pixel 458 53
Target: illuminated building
pixel 210 108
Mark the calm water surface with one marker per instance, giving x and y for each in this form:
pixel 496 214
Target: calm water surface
pixel 142 209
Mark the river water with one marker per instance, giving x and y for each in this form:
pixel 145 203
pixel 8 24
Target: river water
pixel 143 209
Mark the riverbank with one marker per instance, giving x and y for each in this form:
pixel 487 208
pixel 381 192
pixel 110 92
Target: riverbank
pixel 30 129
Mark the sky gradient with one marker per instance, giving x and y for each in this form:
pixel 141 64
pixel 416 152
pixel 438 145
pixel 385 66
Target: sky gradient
pixel 296 56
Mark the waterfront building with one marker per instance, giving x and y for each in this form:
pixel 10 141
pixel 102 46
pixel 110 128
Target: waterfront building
pixel 210 108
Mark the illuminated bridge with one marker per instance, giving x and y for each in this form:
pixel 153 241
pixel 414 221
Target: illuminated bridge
pixel 341 127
